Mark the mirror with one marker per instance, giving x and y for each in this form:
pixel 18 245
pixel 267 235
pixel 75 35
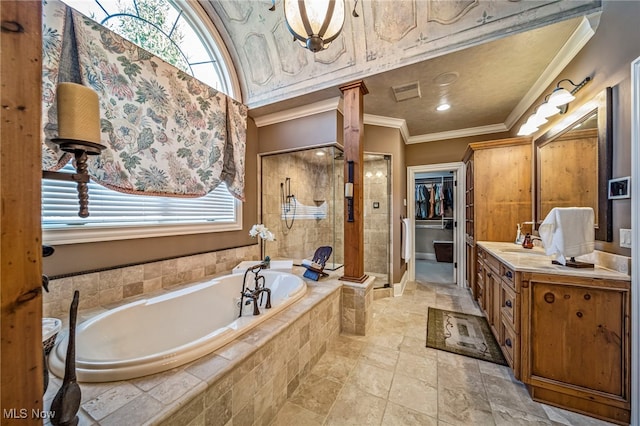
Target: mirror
pixel 573 165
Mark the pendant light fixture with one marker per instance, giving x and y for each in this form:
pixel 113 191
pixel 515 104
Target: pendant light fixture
pixel 314 23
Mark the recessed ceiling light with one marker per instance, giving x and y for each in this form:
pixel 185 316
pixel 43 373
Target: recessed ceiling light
pixel 320 153
pixel 443 107
pixel 446 78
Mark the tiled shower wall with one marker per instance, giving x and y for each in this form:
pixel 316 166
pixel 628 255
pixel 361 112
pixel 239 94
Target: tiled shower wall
pixel 376 220
pixel 317 179
pixel 312 182
pixel 110 287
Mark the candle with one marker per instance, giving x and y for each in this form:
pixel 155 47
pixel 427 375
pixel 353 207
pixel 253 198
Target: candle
pixel 78 113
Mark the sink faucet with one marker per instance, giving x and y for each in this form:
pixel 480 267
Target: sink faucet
pixel 258 290
pixel 535 238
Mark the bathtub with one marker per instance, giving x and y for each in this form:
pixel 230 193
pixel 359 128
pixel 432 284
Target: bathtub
pixel 153 335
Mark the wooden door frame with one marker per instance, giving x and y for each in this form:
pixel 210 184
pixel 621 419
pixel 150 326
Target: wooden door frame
pixel 459 214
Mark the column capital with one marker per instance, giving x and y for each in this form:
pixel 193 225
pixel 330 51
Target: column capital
pixel 355 85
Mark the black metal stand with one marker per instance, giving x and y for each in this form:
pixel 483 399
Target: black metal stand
pixel 67 401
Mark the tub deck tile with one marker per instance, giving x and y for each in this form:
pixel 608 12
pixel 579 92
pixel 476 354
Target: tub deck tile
pixel 209 368
pixel 137 412
pixel 176 386
pixel 111 400
pixel 180 414
pixel 146 383
pixel 261 334
pixel 236 350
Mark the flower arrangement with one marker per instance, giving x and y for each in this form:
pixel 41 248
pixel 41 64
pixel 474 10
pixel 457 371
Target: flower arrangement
pixel 259 230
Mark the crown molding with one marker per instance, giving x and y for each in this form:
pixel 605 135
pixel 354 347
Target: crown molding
pixel 396 123
pixel 565 55
pixel 332 104
pixel 461 133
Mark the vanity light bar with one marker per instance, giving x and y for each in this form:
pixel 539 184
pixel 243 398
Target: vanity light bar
pixel 555 103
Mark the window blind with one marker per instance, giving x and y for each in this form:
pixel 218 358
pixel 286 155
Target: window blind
pixel 112 208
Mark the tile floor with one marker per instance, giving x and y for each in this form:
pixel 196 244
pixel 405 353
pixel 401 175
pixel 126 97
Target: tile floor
pixel 390 378
pixel 434 272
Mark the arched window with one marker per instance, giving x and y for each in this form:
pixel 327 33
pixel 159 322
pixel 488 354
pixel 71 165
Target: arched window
pixel 175 32
pixel 171 30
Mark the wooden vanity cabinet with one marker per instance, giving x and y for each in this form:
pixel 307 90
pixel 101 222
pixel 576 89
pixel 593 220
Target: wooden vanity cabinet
pixel 565 336
pixel 500 305
pixel 576 343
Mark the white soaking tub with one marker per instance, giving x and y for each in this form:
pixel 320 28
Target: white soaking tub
pixel 154 335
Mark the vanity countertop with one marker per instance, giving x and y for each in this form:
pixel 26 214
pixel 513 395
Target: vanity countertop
pixel 536 260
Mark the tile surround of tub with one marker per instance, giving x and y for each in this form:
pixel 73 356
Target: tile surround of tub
pixel 357 307
pixel 107 288
pixel 245 382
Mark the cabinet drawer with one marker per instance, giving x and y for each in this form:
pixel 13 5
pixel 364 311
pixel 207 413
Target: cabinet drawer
pixel 510 344
pixel 480 254
pixel 508 276
pixel 509 306
pixel 493 263
pixel 480 294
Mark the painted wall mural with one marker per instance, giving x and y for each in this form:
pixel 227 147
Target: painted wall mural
pixel 386 35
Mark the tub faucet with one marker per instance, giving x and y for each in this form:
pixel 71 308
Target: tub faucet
pixel 253 295
pixel 257 291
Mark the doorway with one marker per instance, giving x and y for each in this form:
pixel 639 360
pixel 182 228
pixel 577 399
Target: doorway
pixel 434 196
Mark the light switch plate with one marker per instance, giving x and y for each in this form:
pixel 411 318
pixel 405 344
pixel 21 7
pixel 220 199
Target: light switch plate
pixel 625 238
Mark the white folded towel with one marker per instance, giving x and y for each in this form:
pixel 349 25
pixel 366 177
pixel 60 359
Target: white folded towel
pixel 568 232
pixel 406 239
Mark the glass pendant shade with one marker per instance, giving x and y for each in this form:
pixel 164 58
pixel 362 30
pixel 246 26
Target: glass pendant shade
pixel 560 97
pixel 526 129
pixel 536 120
pixel 547 110
pixel 314 23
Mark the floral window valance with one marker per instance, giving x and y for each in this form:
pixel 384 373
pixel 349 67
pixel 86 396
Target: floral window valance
pixel 166 132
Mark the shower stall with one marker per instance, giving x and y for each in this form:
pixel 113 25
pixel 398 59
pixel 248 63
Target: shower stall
pixel 303 205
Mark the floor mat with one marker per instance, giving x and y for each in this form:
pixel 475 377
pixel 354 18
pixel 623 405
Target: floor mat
pixel 462 334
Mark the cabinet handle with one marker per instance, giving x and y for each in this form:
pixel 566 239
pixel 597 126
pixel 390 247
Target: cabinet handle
pixel 508 342
pixel 508 303
pixel 509 274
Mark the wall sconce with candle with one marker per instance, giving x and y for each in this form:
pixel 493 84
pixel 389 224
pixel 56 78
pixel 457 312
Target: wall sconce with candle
pixel 78 134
